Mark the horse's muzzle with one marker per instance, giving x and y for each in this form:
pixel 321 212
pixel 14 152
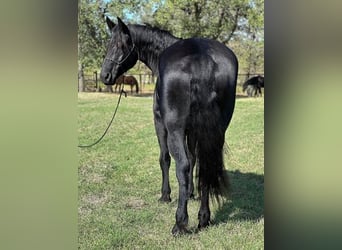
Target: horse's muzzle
pixel 107 78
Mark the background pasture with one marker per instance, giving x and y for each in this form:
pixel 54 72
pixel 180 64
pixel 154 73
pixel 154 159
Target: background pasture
pixel 120 180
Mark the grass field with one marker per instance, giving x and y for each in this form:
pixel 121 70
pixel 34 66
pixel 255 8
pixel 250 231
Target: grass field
pixel 120 180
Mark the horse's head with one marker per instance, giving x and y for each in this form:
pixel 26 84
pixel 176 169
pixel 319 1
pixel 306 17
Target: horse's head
pixel 121 53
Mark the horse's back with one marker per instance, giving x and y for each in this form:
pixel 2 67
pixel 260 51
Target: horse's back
pixel 197 67
pixel 196 48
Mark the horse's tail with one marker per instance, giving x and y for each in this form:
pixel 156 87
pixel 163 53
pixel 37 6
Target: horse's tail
pixel 209 132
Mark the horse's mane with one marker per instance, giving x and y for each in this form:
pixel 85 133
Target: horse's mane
pixel 152 40
pixel 157 29
pixel 148 31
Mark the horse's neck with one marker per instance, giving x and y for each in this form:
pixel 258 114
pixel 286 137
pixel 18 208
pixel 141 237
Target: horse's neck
pixel 150 44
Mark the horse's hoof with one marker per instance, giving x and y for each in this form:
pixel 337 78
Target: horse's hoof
pixel 203 225
pixel 165 199
pixel 179 230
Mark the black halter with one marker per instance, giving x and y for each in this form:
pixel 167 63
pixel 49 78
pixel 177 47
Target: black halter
pixel 124 59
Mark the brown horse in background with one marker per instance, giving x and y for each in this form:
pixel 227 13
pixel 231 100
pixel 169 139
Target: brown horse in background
pixel 126 80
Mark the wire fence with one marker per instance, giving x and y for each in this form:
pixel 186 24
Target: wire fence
pixel 92 82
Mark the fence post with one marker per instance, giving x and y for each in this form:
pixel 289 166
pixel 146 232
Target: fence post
pixel 95 73
pixel 97 85
pixel 140 82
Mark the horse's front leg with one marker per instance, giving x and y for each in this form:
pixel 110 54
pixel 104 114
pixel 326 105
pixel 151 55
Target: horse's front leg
pixel 164 157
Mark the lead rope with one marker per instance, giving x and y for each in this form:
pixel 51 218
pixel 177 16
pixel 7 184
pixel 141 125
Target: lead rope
pixel 110 123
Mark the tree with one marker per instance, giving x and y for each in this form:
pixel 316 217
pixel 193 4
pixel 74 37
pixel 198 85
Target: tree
pixel 216 19
pixel 92 33
pixel 237 23
pixel 92 30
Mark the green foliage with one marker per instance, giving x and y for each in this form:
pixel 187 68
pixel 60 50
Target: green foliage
pixel 250 54
pixel 216 19
pixel 120 179
pixel 92 34
pixel 238 23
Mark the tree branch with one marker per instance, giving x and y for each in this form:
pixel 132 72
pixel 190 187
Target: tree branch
pixel 234 28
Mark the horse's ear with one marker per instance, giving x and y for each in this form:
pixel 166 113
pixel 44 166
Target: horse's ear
pixel 123 27
pixel 110 24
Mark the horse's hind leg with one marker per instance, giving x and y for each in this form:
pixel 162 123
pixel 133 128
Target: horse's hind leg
pixel 177 149
pixel 259 88
pixel 204 212
pixel 191 142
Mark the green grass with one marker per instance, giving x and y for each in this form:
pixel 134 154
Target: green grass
pixel 120 181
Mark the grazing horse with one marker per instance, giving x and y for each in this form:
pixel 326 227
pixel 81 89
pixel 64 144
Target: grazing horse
pixel 127 80
pixel 193 104
pixel 253 85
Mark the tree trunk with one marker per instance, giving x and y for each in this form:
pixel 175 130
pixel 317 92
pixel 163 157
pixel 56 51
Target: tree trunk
pixel 81 87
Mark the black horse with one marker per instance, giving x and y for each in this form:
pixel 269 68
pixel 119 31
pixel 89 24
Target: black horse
pixel 194 101
pixel 253 85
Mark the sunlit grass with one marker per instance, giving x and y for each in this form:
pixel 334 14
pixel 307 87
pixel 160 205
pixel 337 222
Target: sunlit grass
pixel 120 181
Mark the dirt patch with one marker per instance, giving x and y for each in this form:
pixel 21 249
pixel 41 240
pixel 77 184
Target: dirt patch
pixel 135 203
pixel 95 200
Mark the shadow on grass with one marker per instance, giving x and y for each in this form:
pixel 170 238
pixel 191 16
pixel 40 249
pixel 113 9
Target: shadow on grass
pixel 239 96
pixel 247 199
pixel 145 94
